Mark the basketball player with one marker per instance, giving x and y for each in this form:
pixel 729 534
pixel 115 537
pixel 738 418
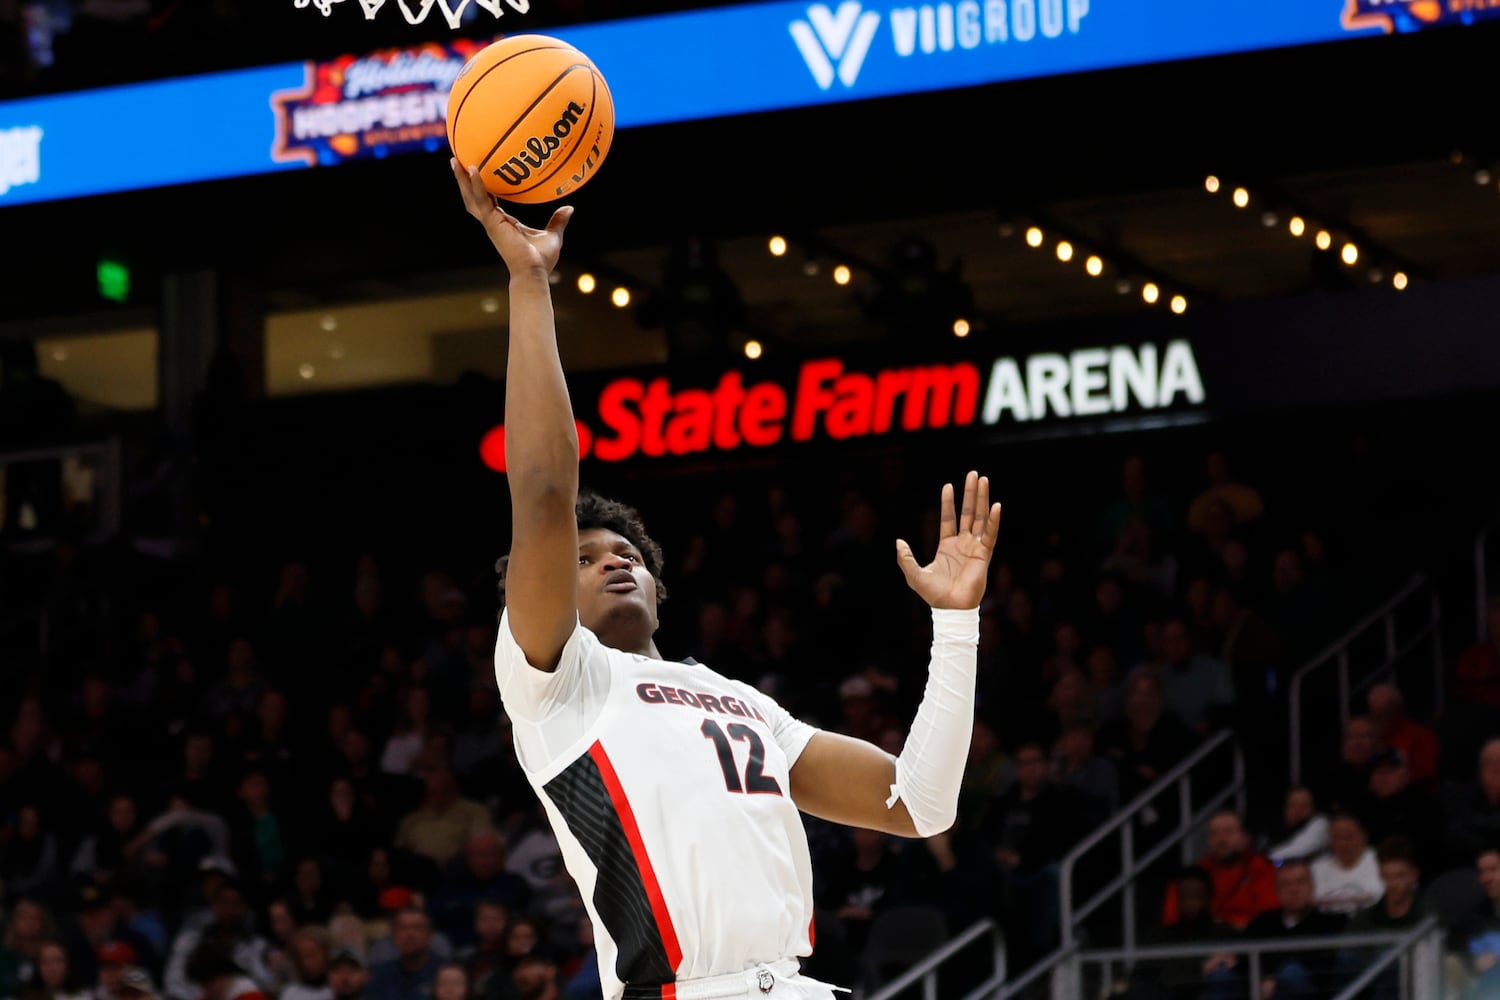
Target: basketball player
pixel 673 791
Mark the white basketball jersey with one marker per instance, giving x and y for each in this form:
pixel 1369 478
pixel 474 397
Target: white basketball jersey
pixel 669 791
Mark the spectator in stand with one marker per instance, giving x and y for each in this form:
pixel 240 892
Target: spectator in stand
pixel 135 984
pixel 1304 833
pixel 1184 978
pixel 1398 907
pixel 1477 939
pixel 217 976
pixel 53 978
pixel 1079 767
pixel 1147 741
pixel 1347 783
pixel 1478 674
pixel 1251 649
pixel 1304 610
pixel 243 686
pixel 263 840
pixel 583 983
pixel 412 973
pixel 29 862
pixel 485 956
pixel 1244 880
pixel 452 983
pixel 348 978
pixel 111 961
pixel 1472 808
pixel 312 949
pixel 1115 622
pixel 1347 878
pixel 864 880
pixel 406 743
pixel 1034 825
pixel 1396 806
pixel 1244 502
pixel 535 978
pixel 1398 731
pixel 1200 690
pixel 228 941
pixel 440 827
pixel 1301 975
pixel 480 874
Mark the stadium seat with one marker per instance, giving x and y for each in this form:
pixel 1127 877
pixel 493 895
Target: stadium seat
pixel 899 938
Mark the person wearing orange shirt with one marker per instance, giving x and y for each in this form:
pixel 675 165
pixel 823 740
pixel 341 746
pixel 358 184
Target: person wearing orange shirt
pixel 1244 880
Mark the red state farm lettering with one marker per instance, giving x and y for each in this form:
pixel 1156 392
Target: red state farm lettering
pixel 651 419
pixel 851 404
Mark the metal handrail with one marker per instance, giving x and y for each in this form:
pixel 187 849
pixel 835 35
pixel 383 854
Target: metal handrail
pixel 1395 946
pixel 1396 953
pixel 1338 652
pixel 927 969
pixel 996 988
pixel 1122 820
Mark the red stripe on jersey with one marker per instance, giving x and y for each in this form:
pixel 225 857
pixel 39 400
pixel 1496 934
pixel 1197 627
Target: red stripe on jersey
pixel 668 991
pixel 642 861
pixel 812 932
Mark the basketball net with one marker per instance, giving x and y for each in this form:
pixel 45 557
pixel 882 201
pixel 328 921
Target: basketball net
pixel 453 12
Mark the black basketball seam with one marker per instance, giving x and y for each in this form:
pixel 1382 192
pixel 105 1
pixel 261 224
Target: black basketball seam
pixel 593 89
pixel 593 103
pixel 453 134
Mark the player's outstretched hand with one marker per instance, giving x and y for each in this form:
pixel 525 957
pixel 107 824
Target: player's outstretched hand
pixel 966 541
pixel 522 247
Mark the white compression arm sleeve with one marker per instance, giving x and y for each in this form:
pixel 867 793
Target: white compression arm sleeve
pixel 930 769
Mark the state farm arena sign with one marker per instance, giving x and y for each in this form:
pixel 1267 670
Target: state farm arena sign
pixel 635 416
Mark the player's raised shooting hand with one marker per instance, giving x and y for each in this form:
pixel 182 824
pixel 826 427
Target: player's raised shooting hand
pixel 522 247
pixel 966 541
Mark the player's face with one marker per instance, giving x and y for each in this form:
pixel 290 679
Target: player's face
pixel 616 593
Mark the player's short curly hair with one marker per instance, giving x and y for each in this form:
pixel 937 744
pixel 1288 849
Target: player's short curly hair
pixel 595 511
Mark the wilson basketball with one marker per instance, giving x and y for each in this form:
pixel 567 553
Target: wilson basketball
pixel 534 114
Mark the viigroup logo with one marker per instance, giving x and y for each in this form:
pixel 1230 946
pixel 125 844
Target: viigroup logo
pixel 835 43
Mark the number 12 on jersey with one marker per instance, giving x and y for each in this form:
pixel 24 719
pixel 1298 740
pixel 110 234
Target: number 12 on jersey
pixel 756 782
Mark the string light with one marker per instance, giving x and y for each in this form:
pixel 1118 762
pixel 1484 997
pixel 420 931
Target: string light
pixel 841 275
pixel 960 328
pixel 586 284
pixel 620 297
pixel 1094 266
pixel 1034 237
pixel 752 349
pixel 1065 251
pixel 777 246
pixel 1150 292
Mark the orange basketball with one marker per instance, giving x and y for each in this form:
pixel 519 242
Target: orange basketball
pixel 534 114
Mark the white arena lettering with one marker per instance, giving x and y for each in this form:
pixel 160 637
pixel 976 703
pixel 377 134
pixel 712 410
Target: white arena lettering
pixel 943 27
pixel 370 76
pixel 1092 382
pixel 325 121
pixel 20 156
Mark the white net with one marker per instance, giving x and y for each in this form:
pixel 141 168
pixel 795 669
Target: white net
pixel 416 13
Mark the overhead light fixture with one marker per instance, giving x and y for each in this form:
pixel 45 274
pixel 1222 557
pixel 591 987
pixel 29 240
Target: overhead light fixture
pixel 1034 237
pixel 752 349
pixel 1398 281
pixel 1350 254
pixel 329 323
pixel 1241 197
pixel 1094 266
pixel 620 297
pixel 491 304
pixel 1179 304
pixel 960 327
pixel 586 283
pixel 1296 225
pixel 1268 219
pixel 306 371
pixel 777 246
pixel 1065 251
pixel 1211 184
pixel 1323 240
pixel 841 275
pixel 1150 292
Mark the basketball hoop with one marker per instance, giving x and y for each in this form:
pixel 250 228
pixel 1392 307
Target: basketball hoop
pixel 453 10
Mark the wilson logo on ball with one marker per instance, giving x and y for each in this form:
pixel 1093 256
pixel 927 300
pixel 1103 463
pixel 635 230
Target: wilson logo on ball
pixel 539 149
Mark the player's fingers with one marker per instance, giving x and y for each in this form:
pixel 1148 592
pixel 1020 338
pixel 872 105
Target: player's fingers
pixel 966 515
pixel 981 506
pixel 947 520
pixel 992 527
pixel 559 220
pixel 906 561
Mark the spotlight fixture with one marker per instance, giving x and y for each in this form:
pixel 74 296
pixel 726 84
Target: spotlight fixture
pixel 841 275
pixel 586 283
pixel 1268 219
pixel 1150 292
pixel 1122 286
pixel 1034 237
pixel 1350 254
pixel 1323 240
pixel 1398 281
pixel 1482 176
pixel 491 304
pixel 620 297
pixel 1211 184
pixel 1179 304
pixel 777 246
pixel 329 323
pixel 960 327
pixel 1241 197
pixel 752 349
pixel 1296 226
pixel 1065 251
pixel 1094 266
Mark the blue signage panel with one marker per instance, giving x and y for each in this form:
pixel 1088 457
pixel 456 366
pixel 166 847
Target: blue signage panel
pixel 668 68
